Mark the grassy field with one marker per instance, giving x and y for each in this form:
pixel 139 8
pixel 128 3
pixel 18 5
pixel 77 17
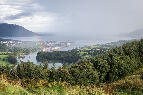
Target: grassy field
pixel 4 62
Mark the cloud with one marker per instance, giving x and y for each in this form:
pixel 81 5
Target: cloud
pixel 12 9
pixel 39 22
pixel 7 10
pixel 74 17
pixel 28 14
pixel 18 16
pixel 15 2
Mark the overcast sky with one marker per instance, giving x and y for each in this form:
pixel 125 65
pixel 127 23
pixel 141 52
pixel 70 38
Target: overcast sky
pixel 83 17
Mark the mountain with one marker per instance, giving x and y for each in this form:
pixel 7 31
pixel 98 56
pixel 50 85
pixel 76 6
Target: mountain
pixel 13 30
pixel 136 34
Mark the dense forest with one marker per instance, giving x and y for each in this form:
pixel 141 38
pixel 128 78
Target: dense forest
pixel 70 56
pixel 109 67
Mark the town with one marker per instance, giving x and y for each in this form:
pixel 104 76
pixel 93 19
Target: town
pixel 40 45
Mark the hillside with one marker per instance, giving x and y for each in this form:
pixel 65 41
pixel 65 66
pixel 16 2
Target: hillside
pixel 13 30
pixel 119 71
pixel 136 34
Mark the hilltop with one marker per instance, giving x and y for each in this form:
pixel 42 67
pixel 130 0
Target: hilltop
pixel 13 30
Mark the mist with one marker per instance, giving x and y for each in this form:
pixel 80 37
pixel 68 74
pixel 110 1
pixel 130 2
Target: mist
pixel 85 19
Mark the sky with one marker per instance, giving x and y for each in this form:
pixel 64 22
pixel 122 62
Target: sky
pixel 74 17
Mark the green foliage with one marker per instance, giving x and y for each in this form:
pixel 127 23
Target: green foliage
pixel 102 68
pixel 3 60
pixel 7 89
pixel 111 66
pixel 119 62
pixel 74 55
pixel 142 76
pixel 131 85
pixel 53 88
pixel 31 71
pixel 61 74
pixel 70 56
pixel 4 69
pixel 12 59
pixel 83 74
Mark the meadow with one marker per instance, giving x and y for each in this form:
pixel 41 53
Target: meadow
pixel 3 60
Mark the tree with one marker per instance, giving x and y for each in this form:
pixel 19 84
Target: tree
pixel 142 76
pixel 12 59
pixel 84 74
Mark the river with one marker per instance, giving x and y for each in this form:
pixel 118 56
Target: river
pixel 32 58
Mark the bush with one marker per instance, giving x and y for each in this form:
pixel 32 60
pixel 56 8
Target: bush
pixel 84 74
pixel 30 70
pixel 12 59
pixel 142 76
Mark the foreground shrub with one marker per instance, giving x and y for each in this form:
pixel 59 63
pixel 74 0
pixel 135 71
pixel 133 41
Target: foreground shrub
pixel 142 76
pixel 83 74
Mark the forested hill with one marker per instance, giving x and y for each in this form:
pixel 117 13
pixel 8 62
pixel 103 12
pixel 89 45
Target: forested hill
pixel 13 30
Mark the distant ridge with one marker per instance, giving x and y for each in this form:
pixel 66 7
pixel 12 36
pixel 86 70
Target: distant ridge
pixel 13 30
pixel 136 34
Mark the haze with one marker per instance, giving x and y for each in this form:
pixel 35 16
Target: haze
pixel 81 18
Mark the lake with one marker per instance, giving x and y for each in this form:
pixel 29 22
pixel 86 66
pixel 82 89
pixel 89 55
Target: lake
pixel 32 58
pixel 76 44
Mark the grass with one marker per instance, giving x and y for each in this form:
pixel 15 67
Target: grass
pixel 8 89
pixel 3 56
pixel 58 88
pixel 2 62
pixel 130 85
pixel 44 88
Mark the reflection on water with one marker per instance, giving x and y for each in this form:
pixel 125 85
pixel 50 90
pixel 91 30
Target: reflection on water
pixel 32 58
